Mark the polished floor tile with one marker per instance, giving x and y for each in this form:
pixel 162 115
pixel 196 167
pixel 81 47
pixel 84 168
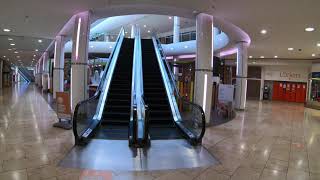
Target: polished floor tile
pixel 269 140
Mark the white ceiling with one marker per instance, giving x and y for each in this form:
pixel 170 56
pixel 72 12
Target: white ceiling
pixel 285 21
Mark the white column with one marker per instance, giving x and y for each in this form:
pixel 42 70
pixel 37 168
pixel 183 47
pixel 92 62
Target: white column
pixel 106 38
pixel 1 74
pixel 176 39
pixel 58 69
pixel 40 72
pixel 241 76
pixel 203 64
pixel 133 30
pixel 45 58
pixel 79 66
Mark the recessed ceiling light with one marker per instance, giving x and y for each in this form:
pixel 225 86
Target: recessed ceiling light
pixel 313 55
pixel 4 56
pixel 18 56
pixel 144 25
pixel 290 49
pixel 91 46
pixel 110 47
pixel 6 30
pixel 250 57
pixel 10 39
pixel 36 50
pixel 309 29
pixel 34 55
pixel 10 49
pixel 16 52
pixel 40 41
pixel 262 57
pixel 170 17
pixel 126 32
pixel 318 44
pixel 149 31
pixel 263 31
pixel 12 44
pixel 275 56
pixel 254 62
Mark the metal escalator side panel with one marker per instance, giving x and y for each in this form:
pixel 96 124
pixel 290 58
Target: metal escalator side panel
pixel 104 86
pixel 170 91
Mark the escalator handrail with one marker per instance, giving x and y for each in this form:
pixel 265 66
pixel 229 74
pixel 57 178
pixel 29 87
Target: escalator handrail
pixel 173 83
pixel 138 105
pixel 24 76
pixel 99 89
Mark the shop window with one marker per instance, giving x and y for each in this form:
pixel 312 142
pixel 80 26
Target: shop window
pixel 185 36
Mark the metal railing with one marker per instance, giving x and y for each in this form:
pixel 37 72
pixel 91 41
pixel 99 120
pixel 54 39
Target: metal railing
pixel 139 136
pixel 189 117
pixel 88 113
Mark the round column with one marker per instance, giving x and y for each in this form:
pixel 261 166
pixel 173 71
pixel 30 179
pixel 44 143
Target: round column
pixel 58 69
pixel 241 76
pixel 203 64
pixel 79 65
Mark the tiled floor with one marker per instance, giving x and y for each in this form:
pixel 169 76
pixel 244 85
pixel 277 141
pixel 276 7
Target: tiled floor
pixel 267 141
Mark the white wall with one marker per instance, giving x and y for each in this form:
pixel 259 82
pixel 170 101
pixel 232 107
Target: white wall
pixel 286 73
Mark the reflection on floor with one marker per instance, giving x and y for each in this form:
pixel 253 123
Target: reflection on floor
pixel 267 141
pixel 117 155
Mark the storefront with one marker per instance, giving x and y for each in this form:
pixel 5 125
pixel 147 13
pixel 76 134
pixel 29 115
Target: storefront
pixel 283 83
pixel 313 99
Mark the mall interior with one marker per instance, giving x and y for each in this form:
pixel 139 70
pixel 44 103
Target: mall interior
pixel 159 90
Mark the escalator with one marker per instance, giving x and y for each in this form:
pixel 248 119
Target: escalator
pixel 171 116
pixel 116 114
pixel 107 114
pixel 26 74
pixel 161 122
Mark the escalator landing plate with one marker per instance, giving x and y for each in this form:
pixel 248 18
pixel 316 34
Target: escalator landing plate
pixel 116 155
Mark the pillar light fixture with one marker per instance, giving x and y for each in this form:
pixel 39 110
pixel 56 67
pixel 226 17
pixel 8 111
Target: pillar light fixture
pixel 78 38
pixel 205 92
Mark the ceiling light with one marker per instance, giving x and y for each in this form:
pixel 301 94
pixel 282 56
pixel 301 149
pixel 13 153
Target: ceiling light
pixel 40 41
pixel 170 17
pixel 126 32
pixel 18 56
pixel 36 50
pixel 91 46
pixel 309 29
pixel 149 31
pixel 262 57
pixel 250 57
pixel 275 56
pixel 10 39
pixel 313 55
pixel 110 47
pixel 185 46
pixel 253 62
pixel 12 44
pixel 34 55
pixel 4 56
pixel 144 25
pixel 16 52
pixel 6 30
pixel 263 31
pixel 10 49
pixel 318 44
pixel 290 49
pixel 171 48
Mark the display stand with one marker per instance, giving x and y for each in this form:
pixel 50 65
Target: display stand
pixel 63 111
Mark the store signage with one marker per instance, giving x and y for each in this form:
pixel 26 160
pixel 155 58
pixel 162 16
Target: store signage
pixel 286 74
pixel 290 75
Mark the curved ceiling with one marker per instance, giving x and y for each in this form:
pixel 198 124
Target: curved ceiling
pixel 284 20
